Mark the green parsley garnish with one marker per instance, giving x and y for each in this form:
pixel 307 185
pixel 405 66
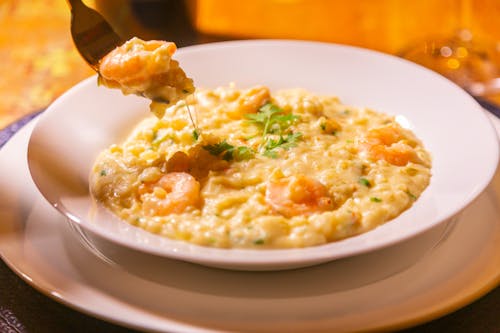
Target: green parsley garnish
pixel 229 152
pixel 283 142
pixel 272 119
pixel 274 122
pixel 375 199
pixel 161 136
pixel 196 134
pixel 242 153
pixel 411 195
pixel 364 181
pixel 259 241
pixel 103 172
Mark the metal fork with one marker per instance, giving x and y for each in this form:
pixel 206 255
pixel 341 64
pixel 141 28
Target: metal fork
pixel 91 33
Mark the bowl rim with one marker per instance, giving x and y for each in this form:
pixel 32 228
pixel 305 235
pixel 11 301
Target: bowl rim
pixel 256 259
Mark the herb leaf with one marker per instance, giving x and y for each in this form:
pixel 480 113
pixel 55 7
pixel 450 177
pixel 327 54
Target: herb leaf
pixel 196 134
pixel 272 119
pixel 411 195
pixel 271 146
pixel 242 153
pixel 274 122
pixel 229 152
pixel 217 149
pixel 259 241
pixel 364 181
pixel 161 136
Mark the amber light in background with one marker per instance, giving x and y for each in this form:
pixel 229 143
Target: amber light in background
pixel 37 58
pixel 385 25
pixel 392 26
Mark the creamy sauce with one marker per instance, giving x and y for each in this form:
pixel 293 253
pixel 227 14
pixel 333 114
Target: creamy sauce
pixel 282 170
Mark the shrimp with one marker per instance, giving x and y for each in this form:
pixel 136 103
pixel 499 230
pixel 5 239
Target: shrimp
pixel 298 195
pixel 254 98
pixel 173 193
pixel 249 101
pixel 389 144
pixel 146 68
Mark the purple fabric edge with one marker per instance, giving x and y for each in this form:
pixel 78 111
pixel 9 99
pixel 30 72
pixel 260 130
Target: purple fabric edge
pixel 7 132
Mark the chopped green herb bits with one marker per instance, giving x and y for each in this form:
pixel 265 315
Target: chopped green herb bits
pixel 364 181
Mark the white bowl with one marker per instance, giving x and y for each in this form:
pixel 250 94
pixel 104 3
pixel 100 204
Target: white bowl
pixel 452 126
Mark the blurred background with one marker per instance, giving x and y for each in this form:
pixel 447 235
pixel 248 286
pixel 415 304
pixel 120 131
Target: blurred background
pixel 458 38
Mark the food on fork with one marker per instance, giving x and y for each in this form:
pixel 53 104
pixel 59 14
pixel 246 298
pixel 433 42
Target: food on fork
pixel 146 68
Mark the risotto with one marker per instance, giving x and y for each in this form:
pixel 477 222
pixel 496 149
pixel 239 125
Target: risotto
pixel 146 68
pixel 262 170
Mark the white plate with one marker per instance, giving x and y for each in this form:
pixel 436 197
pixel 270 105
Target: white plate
pixel 353 294
pixel 451 124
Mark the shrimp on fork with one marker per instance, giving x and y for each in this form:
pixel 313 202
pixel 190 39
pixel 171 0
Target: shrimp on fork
pixel 146 68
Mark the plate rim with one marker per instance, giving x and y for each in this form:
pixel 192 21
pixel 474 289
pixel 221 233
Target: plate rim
pixel 53 293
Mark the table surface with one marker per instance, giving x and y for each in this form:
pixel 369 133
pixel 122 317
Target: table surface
pixel 22 308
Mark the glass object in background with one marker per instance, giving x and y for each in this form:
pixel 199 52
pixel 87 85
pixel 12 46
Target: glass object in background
pixel 471 61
